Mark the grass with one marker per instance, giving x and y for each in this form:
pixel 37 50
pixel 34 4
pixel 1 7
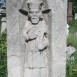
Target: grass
pixel 73 26
pixel 71 70
pixel 3 53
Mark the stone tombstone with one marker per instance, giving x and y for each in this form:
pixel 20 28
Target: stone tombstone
pixel 3 24
pixel 36 38
pixel 75 16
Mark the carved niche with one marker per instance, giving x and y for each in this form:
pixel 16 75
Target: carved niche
pixel 35 33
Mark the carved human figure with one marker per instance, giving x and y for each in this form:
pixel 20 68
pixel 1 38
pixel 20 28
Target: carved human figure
pixel 35 33
pixel 36 28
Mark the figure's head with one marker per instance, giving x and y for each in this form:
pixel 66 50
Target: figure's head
pixel 34 12
pixel 34 9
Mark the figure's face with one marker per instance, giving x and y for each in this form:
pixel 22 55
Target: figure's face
pixel 35 15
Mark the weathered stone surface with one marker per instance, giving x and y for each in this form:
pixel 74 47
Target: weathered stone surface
pixel 35 33
pixel 13 39
pixel 14 66
pixel 70 50
pixel 3 24
pixel 55 58
pixel 58 43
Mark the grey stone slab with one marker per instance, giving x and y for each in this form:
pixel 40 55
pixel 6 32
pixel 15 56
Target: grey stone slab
pixel 54 61
pixel 3 24
pixel 58 44
pixel 13 39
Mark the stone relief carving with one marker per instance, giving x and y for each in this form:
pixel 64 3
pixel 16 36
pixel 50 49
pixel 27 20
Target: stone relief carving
pixel 36 28
pixel 35 33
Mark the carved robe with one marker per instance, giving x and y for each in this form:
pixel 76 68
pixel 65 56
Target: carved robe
pixel 36 42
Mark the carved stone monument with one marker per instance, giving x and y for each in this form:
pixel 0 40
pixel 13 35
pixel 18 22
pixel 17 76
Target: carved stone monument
pixel 3 24
pixel 35 33
pixel 36 36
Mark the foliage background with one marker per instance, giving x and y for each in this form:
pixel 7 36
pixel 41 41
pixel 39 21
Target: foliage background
pixel 3 54
pixel 71 70
pixel 74 6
